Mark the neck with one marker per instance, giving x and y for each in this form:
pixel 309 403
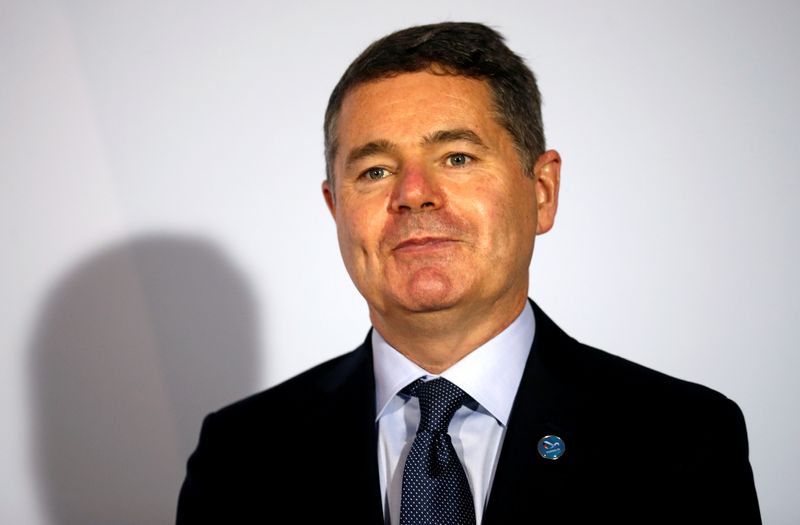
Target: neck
pixel 437 340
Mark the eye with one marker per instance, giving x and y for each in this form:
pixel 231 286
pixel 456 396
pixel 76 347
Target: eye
pixel 375 173
pixel 457 160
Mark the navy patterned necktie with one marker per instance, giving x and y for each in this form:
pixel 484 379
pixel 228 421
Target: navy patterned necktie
pixel 435 487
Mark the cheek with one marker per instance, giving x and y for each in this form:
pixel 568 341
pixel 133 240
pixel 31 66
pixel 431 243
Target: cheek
pixel 510 219
pixel 492 215
pixel 358 234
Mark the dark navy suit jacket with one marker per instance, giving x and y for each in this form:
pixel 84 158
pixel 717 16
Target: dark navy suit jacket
pixel 640 447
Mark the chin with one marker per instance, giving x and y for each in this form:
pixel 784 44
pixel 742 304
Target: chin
pixel 430 292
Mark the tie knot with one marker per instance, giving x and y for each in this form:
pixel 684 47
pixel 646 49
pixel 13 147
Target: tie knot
pixel 438 401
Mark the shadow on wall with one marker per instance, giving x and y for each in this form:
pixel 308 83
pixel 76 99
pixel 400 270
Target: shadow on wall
pixel 133 347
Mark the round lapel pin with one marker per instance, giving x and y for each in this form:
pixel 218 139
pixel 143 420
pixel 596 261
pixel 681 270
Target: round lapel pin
pixel 551 447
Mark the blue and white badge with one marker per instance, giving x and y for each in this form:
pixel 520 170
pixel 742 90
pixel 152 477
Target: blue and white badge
pixel 551 447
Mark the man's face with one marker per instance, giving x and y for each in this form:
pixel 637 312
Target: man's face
pixel 432 208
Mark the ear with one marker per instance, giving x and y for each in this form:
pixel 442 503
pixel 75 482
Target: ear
pixel 547 173
pixel 330 201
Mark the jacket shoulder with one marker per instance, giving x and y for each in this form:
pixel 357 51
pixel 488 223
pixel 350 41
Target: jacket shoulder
pixel 298 394
pixel 605 376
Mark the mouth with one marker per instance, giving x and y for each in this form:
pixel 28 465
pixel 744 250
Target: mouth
pixel 422 244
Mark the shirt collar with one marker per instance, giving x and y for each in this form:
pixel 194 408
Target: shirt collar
pixel 490 374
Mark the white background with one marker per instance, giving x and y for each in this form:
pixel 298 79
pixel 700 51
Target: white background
pixel 166 249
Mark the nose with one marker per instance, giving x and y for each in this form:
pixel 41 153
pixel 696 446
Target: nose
pixel 416 190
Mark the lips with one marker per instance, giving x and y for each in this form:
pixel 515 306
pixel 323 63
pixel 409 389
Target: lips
pixel 419 244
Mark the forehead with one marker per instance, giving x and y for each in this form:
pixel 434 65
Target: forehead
pixel 411 105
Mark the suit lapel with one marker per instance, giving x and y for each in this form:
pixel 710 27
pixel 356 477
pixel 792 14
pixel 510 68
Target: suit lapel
pixel 349 405
pixel 545 404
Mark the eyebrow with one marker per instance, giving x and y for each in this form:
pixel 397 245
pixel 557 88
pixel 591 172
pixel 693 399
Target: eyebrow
pixel 454 135
pixel 370 148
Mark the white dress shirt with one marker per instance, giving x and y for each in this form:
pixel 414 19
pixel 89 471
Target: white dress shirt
pixel 490 374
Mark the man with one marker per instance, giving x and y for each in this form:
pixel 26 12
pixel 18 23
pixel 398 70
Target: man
pixel 465 403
